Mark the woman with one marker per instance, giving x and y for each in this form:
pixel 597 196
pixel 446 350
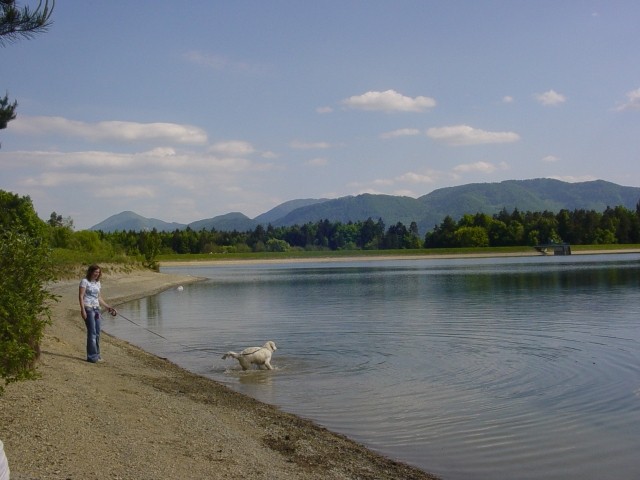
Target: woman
pixel 90 301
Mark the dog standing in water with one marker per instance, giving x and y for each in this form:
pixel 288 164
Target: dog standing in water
pixel 254 355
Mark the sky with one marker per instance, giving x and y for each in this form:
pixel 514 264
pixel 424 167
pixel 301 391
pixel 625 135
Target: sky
pixel 183 111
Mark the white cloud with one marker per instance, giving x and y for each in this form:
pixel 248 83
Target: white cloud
pixel 113 131
pixel 142 163
pixel 57 179
pixel 128 191
pixel 385 185
pixel 574 179
pixel 317 162
pixel 632 103
pixel 405 193
pixel 299 145
pixel 507 99
pixel 389 101
pixel 481 167
pixel 215 61
pixel 402 132
pixel 550 159
pixel 323 110
pixel 187 181
pixel 223 63
pixel 412 177
pixel 466 135
pixel 232 148
pixel 75 160
pixel 550 98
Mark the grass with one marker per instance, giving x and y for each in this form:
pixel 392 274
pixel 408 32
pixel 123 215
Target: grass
pixel 73 263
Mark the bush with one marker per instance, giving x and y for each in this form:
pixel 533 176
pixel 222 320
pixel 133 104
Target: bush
pixel 25 268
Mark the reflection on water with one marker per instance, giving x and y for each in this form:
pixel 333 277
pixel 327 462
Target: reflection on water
pixel 477 368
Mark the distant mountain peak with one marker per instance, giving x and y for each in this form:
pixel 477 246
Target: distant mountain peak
pixel 427 211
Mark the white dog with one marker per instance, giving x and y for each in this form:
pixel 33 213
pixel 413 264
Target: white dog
pixel 257 355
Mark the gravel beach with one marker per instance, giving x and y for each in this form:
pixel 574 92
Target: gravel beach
pixel 138 416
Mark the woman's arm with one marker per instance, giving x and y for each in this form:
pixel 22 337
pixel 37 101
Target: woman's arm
pixel 111 310
pixel 81 298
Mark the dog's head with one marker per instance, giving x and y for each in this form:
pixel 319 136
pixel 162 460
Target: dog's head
pixel 270 346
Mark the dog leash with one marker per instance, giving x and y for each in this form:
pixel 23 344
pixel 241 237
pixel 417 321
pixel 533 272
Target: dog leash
pixel 157 334
pixel 144 328
pixel 171 341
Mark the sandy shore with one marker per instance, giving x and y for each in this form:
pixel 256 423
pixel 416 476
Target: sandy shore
pixel 221 261
pixel 137 416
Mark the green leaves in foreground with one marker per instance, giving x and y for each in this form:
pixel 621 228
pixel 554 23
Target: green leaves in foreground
pixel 25 270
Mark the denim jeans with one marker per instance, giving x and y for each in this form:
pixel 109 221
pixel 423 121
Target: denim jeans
pixel 93 333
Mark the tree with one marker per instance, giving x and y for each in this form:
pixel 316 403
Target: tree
pixel 442 235
pixel 471 237
pixel 149 246
pixel 25 269
pixel 16 23
pixel 275 245
pixel 60 230
pixel 7 111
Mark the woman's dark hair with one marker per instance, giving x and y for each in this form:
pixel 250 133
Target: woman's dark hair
pixel 91 269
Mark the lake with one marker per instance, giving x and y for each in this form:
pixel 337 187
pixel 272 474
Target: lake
pixel 476 368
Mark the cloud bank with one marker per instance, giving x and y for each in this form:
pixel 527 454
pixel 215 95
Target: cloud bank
pixel 465 135
pixel 113 131
pixel 389 101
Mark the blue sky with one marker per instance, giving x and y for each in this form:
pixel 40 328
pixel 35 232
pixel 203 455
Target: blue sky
pixel 187 110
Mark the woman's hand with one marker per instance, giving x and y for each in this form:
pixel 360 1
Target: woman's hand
pixel 83 313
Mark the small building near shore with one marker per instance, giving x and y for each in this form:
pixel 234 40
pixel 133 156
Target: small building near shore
pixel 554 248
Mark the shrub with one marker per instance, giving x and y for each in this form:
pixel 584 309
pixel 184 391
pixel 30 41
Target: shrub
pixel 25 269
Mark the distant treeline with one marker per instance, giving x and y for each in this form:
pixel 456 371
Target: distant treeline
pixel 617 225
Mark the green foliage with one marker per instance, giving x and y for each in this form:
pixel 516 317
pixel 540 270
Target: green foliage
pixel 86 241
pixel 25 269
pixel 471 237
pixel 16 22
pixel 276 245
pixel 149 245
pixel 579 227
pixel 7 111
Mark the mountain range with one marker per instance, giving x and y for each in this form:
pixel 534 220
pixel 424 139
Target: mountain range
pixel 427 211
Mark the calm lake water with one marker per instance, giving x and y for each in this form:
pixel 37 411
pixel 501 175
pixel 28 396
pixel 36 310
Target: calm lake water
pixel 498 368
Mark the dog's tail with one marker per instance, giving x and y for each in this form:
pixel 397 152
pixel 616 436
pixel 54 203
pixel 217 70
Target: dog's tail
pixel 230 354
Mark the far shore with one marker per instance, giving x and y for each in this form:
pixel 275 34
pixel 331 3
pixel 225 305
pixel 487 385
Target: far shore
pixel 219 259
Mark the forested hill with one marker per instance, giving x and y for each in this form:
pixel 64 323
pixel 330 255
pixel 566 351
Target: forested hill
pixel 427 211
pixel 526 195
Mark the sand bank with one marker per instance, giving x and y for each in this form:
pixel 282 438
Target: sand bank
pixel 137 416
pixel 221 261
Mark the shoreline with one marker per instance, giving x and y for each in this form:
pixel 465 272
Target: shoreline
pixel 373 258
pixel 138 416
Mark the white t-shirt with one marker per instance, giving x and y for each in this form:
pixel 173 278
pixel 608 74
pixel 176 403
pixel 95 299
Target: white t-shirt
pixel 91 293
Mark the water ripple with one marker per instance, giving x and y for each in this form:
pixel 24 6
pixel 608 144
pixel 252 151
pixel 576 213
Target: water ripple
pixel 490 368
